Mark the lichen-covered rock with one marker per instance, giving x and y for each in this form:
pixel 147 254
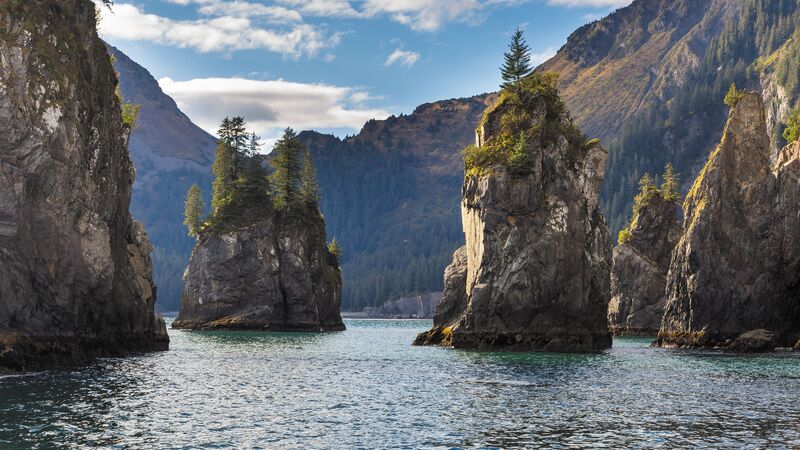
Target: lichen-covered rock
pixel 75 270
pixel 736 268
pixel 274 274
pixel 536 275
pixel 639 272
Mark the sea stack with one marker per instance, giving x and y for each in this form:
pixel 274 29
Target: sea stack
pixel 261 261
pixel 734 279
pixel 534 274
pixel 75 271
pixel 641 261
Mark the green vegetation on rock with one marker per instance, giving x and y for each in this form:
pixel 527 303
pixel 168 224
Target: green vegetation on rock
pixel 734 96
pixel 243 192
pixel 508 147
pixel 194 210
pixel 792 131
pixel 335 249
pixel 648 193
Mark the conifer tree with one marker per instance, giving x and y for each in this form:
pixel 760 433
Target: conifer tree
pixel 670 184
pixel 233 132
pixel 733 96
pixel 517 62
pixel 287 175
pixel 255 177
pixel 520 161
pixel 647 191
pixel 223 186
pixel 194 209
pixel 792 131
pixel 309 187
pixel 254 144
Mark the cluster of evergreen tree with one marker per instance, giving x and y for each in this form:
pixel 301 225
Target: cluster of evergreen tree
pixel 758 41
pixel 244 189
pixel 650 191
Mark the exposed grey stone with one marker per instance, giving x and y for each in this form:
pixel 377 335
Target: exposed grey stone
pixel 638 276
pixel 534 274
pixel 275 274
pixel 75 270
pixel 737 266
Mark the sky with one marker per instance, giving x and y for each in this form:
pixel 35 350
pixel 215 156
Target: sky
pixel 331 65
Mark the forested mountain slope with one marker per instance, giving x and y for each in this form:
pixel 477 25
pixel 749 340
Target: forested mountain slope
pixel 170 153
pixel 650 78
pixel 390 197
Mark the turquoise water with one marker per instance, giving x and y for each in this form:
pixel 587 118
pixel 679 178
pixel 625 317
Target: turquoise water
pixel 368 387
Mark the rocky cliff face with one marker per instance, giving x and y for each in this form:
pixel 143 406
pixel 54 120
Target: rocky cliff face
pixel 170 154
pixel 534 274
pixel 735 274
pixel 75 271
pixel 275 274
pixel 639 272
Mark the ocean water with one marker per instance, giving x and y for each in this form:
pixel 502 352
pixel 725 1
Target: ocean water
pixel 367 387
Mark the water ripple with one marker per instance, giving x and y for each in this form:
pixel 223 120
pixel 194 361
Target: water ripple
pixel 367 387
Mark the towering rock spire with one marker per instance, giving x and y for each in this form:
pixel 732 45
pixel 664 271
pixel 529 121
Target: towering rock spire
pixel 534 274
pixel 75 271
pixel 735 274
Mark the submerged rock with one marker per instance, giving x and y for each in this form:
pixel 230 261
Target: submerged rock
pixel 735 273
pixel 534 274
pixel 639 272
pixel 75 271
pixel 274 274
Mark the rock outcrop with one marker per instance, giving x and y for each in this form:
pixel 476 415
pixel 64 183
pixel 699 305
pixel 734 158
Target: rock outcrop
pixel 735 274
pixel 534 274
pixel 639 272
pixel 421 306
pixel 275 274
pixel 75 270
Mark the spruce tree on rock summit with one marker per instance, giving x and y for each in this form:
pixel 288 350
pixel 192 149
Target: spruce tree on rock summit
pixel 194 209
pixel 309 186
pixel 288 168
pixel 517 63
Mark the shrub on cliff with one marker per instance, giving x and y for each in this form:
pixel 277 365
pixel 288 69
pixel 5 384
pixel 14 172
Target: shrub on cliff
pixel 792 131
pixel 506 148
pixel 648 193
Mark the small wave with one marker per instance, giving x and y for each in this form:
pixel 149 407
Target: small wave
pixel 501 382
pixel 20 375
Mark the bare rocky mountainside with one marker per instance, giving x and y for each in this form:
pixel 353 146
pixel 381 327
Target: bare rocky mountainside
pixel 75 270
pixel 734 279
pixel 534 274
pixel 648 80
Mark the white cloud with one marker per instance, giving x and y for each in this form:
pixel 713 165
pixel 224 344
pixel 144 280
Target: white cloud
pixel 591 3
pixel 540 57
pixel 270 106
pixel 324 8
pixel 425 15
pixel 403 57
pixel 225 33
